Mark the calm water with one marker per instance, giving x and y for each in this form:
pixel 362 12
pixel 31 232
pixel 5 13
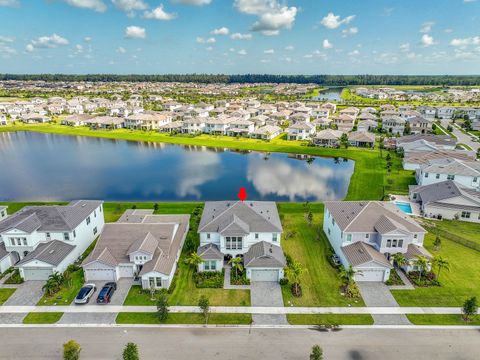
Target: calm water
pixel 46 167
pixel 330 94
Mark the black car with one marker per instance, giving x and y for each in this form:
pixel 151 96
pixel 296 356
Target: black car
pixel 106 293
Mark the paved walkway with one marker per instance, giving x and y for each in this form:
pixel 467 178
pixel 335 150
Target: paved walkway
pixel 267 294
pixel 377 294
pixel 226 281
pixel 407 284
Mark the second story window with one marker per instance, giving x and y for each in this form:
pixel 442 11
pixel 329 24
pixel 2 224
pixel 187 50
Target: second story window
pixel 24 241
pixel 66 236
pixel 274 237
pixel 256 236
pixel 450 177
pixel 88 220
pixel 208 236
pixel 95 230
pixel 12 241
pixel 47 235
pixel 349 237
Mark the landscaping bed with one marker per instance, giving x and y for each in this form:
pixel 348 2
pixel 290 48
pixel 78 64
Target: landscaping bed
pixel 15 278
pixel 209 279
pixel 394 279
pixel 67 291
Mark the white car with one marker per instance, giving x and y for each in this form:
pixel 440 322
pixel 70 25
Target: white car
pixel 85 294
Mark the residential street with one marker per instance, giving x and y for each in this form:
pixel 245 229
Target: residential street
pixel 223 343
pixel 462 137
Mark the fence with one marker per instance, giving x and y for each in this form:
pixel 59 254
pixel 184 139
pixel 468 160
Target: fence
pixel 455 238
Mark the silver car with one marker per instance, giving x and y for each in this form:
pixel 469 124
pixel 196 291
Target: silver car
pixel 85 294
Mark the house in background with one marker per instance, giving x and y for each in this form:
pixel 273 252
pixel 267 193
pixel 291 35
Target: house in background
pixel 267 132
pixel 45 239
pixel 3 212
pixel 250 229
pixel 361 139
pixel 365 234
pixel 139 245
pixel 393 124
pixel 328 138
pixel 465 173
pixel 301 131
pixel 447 200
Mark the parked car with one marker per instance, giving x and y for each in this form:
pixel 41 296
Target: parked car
pixel 106 293
pixel 85 294
pixel 335 260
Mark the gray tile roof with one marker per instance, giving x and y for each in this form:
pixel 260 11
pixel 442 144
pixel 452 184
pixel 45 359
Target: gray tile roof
pixel 251 216
pixel 360 253
pixel 435 139
pixel 453 167
pixel 361 136
pixel 50 218
pixel 362 216
pixel 147 245
pixel 444 190
pixel 210 252
pixel 3 251
pixel 52 252
pixel 264 254
pixel 423 157
pixel 413 251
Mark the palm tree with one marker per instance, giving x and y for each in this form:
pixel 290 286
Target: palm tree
pixel 293 272
pixel 399 259
pixel 236 263
pixel 422 263
pixel 50 287
pixel 194 260
pixel 348 275
pixel 440 263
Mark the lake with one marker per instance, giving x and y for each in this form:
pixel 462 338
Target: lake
pixel 47 167
pixel 329 94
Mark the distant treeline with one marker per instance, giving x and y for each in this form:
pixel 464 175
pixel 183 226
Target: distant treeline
pixel 324 80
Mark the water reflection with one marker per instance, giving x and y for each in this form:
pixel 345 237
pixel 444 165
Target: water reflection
pixel 46 167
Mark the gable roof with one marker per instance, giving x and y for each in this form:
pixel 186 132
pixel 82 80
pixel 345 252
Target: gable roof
pixel 444 190
pixel 52 252
pixel 264 254
pixel 452 166
pixel 360 253
pixel 148 244
pixel 210 252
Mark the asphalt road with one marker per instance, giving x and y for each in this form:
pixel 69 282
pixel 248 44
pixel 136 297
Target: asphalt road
pixel 223 343
pixel 461 137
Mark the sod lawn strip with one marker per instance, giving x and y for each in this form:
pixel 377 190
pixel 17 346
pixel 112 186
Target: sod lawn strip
pixel 441 319
pixel 184 318
pixel 42 318
pixel 5 293
pixel 330 319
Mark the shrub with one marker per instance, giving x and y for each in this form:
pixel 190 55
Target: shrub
pixel 15 278
pixel 208 279
pixel 71 350
pixel 73 268
pixel 284 281
pixel 353 291
pixel 162 307
pixel 130 352
pixel 240 279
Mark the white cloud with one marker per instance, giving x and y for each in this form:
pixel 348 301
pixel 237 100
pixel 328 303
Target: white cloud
pixel 265 61
pixel 332 21
pixel 10 3
pixel 192 2
pixel 427 40
pixel 238 36
pixel 6 39
pixel 96 5
pixel 288 59
pixel 466 41
pixel 289 48
pixel 6 50
pixel 405 47
pixel 272 16
pixel 427 27
pixel 47 42
pixel 87 39
pixel 159 14
pixel 130 6
pixel 350 31
pixel 354 53
pixel 242 52
pixel 220 31
pixel 135 32
pixel 121 50
pixel 308 56
pixel 202 40
pixel 269 51
pixel 327 44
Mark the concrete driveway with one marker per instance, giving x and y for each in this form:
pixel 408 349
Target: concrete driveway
pixel 377 294
pixel 263 293
pixel 27 294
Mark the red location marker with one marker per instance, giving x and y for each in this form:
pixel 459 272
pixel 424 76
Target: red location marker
pixel 242 194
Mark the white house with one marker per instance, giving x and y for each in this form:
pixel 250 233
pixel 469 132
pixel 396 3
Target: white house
pixel 139 245
pixel 241 127
pixel 267 132
pixel 249 229
pixel 393 124
pixel 465 173
pixel 447 200
pixel 445 112
pixel 36 235
pixel 3 212
pixel 218 125
pixel 365 234
pixel 301 131
pixel 193 125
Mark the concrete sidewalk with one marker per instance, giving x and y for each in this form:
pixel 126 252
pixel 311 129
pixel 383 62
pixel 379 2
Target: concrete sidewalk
pixel 235 309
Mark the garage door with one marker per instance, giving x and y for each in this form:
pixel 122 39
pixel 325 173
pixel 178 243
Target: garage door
pixel 125 271
pixel 265 275
pixel 36 273
pixel 370 275
pixel 99 274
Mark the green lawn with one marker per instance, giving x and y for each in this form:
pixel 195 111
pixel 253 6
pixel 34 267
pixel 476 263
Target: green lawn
pixel 369 181
pixel 5 293
pixel 113 210
pixel 42 318
pixel 445 319
pixel 329 319
pixel 460 283
pixel 309 246
pixel 183 318
pixel 463 229
pixel 66 294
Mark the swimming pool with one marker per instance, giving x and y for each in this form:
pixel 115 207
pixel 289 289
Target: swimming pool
pixel 404 206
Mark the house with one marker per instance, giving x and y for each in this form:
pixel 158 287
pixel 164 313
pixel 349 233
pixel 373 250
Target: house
pixel 105 122
pixel 445 112
pixel 218 125
pixel 248 229
pixel 412 160
pixel 427 112
pixel 193 125
pixel 33 118
pixel 367 125
pixel 267 132
pixel 241 127
pixel 328 138
pixel 76 120
pixel 139 245
pixel 419 125
pixel 3 120
pixel 174 126
pixel 361 139
pixel 27 235
pixel 447 200
pixel 465 173
pixel 351 111
pixel 393 124
pixel 301 131
pixel 344 122
pixel 367 116
pixel 365 234
pixel 425 142
pixel 148 120
pixel 3 212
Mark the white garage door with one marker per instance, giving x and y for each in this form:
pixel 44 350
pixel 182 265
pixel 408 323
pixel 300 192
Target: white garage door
pixel 370 275
pixel 99 274
pixel 36 273
pixel 264 275
pixel 125 271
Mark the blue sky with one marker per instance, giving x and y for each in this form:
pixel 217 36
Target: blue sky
pixel 240 36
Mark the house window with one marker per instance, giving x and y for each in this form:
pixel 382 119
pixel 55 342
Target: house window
pixel 328 230
pixel 426 175
pixel 74 234
pixel 95 230
pixel 394 243
pixel 100 208
pixel 466 214
pixel 415 236
pixel 450 177
pixel 234 243
pixel 389 243
pixel 256 236
pixel 95 213
pixel 66 236
pixel 349 237
pixel 274 237
pixel 24 241
pixel 367 236
pixel 88 220
pixel 158 281
pixel 475 179
pixel 333 221
pixel 12 240
pixel 400 243
pixel 208 236
pixel 47 235
pixel 437 176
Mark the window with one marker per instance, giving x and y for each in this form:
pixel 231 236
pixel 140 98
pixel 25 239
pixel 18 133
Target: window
pixel 475 179
pixel 95 213
pixel 400 243
pixel 47 235
pixel 389 243
pixel 66 236
pixel 328 230
pixel 367 236
pixel 437 176
pixel 158 281
pixel 12 240
pixel 274 237
pixel 88 220
pixel 394 243
pixel 74 234
pixel 233 243
pixel 256 236
pixel 426 175
pixel 100 208
pixel 19 241
pixel 208 236
pixel 333 221
pixel 24 241
pixel 450 177
pixel 349 237
pixel 95 230
pixel 415 236
pixel 466 214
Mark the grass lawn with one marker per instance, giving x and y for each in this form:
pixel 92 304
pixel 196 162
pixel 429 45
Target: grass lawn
pixel 329 319
pixel 183 318
pixel 463 229
pixel 5 294
pixel 458 284
pixel 309 246
pixel 443 319
pixel 66 294
pixel 42 318
pixel 113 211
pixel 368 182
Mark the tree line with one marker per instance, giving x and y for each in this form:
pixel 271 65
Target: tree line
pixel 325 80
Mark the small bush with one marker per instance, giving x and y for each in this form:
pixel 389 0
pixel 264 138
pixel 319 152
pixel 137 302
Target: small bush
pixel 15 278
pixel 71 350
pixel 240 279
pixel 130 352
pixel 208 279
pixel 284 281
